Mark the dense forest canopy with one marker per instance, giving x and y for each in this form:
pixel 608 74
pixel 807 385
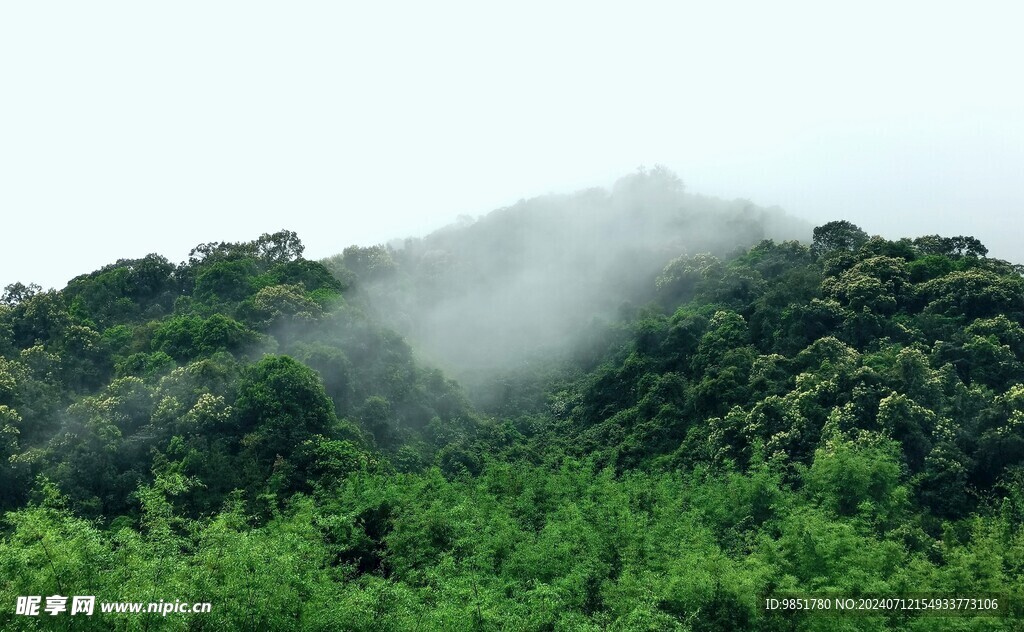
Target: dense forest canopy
pixel 735 414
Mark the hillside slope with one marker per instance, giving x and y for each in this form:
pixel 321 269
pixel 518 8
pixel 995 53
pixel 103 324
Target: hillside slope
pixel 843 417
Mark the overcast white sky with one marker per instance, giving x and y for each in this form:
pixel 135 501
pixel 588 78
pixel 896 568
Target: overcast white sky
pixel 136 127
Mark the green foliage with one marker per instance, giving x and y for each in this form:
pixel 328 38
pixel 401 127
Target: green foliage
pixel 188 337
pixel 839 236
pixel 277 305
pixel 280 404
pixel 846 417
pixel 858 475
pixel 127 291
pixel 229 281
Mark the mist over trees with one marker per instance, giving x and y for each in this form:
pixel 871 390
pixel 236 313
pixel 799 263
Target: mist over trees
pixel 485 296
pixel 668 408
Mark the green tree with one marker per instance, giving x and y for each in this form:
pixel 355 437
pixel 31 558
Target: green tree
pixel 837 236
pixel 280 405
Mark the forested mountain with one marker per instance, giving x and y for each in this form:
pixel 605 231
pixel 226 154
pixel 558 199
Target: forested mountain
pixel 729 416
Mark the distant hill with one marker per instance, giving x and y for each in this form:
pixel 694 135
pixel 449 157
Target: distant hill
pixel 488 294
